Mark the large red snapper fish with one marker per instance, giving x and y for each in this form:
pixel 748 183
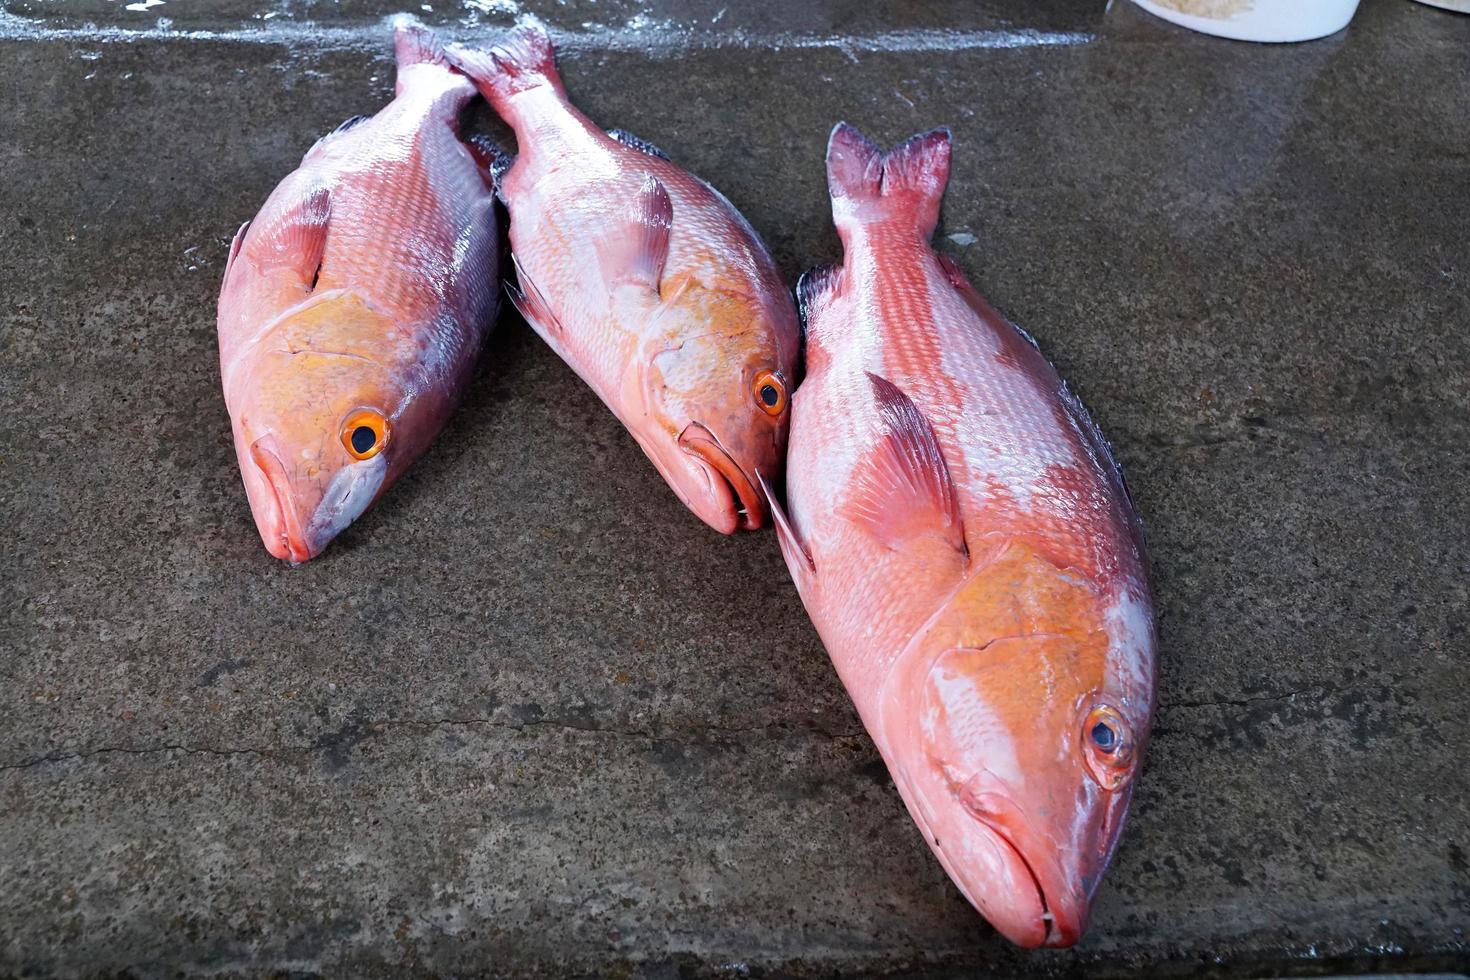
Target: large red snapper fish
pixel 646 281
pixel 962 538
pixel 355 303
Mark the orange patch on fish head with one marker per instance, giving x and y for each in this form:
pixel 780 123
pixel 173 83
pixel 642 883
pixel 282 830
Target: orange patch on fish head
pixel 716 392
pixel 1015 746
pixel 316 425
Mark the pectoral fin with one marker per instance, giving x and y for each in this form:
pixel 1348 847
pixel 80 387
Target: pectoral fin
pixel 531 304
pixel 235 246
pixel 798 558
pixel 294 241
pixel 903 489
pixel 637 253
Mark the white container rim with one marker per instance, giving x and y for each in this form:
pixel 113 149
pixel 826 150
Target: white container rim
pixel 1257 20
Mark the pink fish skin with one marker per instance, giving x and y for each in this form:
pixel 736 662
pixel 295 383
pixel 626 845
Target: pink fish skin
pixel 354 306
pixel 649 283
pixel 964 543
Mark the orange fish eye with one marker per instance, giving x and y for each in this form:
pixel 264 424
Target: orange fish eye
pixel 365 433
pixel 1108 745
pixel 770 392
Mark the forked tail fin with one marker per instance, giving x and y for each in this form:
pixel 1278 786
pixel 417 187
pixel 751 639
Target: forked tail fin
pixel 414 44
pixel 869 186
pixel 524 59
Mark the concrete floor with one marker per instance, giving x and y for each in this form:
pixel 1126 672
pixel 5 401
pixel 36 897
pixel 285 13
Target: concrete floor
pixel 529 717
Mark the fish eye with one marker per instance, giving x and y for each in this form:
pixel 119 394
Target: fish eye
pixel 770 392
pixel 1108 745
pixel 363 439
pixel 1104 737
pixel 365 433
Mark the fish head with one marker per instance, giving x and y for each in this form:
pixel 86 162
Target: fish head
pixel 1017 755
pixel 714 402
pixel 317 422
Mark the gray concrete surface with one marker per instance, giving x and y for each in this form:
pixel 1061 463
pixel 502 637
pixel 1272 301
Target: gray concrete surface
pixel 528 717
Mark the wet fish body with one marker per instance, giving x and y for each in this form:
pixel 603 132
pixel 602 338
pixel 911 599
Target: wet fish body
pixel 354 306
pixel 965 545
pixel 647 282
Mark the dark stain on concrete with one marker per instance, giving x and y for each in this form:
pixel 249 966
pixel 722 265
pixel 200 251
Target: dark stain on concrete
pixel 222 669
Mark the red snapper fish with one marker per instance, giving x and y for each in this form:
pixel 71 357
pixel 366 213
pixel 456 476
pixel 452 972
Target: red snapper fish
pixel 354 306
pixel 964 543
pixel 646 281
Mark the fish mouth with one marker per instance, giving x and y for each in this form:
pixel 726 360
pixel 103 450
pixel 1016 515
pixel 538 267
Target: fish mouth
pixel 736 496
pixel 1053 931
pixel 278 525
pixel 1052 916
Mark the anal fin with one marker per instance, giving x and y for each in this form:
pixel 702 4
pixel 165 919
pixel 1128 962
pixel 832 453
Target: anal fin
pixel 903 488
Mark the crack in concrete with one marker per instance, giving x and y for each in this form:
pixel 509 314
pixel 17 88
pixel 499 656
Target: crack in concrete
pixel 146 750
pixel 1323 690
pixel 332 742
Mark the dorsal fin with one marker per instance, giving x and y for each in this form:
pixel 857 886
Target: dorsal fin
pixel 351 123
pixel 903 489
pixel 638 143
pixel 486 154
pixel 346 125
pixel 1098 444
pixel 978 303
pixel 815 289
pixel 499 168
pixel 972 297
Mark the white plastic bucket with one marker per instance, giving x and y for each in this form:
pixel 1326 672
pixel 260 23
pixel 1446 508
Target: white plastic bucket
pixel 1257 20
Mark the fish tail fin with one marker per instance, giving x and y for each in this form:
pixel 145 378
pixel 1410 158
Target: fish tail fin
pixel 415 44
pixel 905 184
pixel 524 59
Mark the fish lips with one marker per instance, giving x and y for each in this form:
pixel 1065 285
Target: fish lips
pixel 738 502
pixel 290 535
pixel 1002 861
pixel 270 501
pixel 1046 908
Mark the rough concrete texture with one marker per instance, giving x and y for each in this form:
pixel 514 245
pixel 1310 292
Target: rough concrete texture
pixel 529 717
